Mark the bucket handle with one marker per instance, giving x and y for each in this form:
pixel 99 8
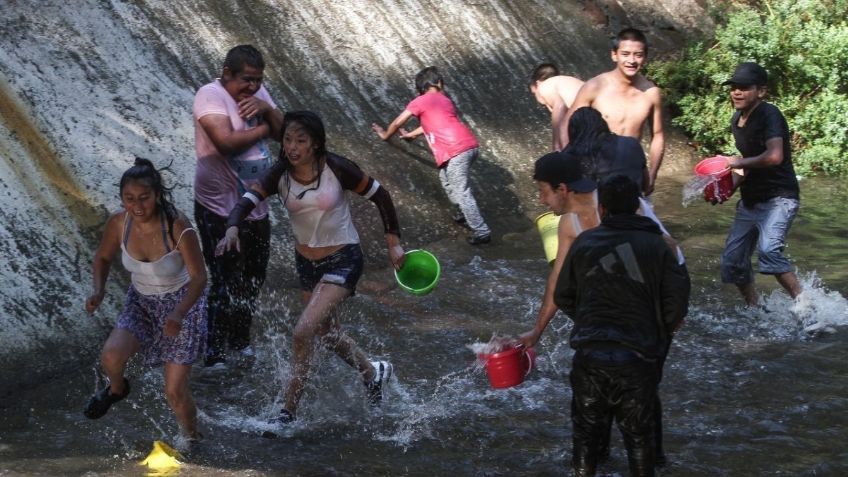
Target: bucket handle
pixel 524 352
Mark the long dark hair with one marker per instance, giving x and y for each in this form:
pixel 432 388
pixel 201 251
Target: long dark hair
pixel 587 131
pixel 314 127
pixel 144 171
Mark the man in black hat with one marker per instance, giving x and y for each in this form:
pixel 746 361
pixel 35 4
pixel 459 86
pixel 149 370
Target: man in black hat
pixel 769 188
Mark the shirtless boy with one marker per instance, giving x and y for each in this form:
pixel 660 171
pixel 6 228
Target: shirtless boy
pixel 626 99
pixel 555 92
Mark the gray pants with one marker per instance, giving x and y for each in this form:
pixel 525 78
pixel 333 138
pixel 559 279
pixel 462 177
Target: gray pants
pixel 454 177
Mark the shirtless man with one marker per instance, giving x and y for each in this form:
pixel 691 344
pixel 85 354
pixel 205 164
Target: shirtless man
pixel 555 92
pixel 626 99
pixel 570 193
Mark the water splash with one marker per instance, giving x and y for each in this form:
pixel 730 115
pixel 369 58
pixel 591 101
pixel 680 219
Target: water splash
pixel 817 309
pixel 780 318
pixel 495 345
pixel 693 190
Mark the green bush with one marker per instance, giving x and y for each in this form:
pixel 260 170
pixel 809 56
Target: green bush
pixel 804 46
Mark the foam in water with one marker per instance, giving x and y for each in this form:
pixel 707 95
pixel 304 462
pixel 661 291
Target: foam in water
pixel 495 345
pixel 817 310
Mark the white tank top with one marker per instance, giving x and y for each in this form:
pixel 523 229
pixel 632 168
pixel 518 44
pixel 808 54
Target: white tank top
pixel 575 222
pixel 165 275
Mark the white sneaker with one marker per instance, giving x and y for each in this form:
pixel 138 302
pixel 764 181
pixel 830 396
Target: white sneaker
pixel 382 372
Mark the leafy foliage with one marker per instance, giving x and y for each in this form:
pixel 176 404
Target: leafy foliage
pixel 803 44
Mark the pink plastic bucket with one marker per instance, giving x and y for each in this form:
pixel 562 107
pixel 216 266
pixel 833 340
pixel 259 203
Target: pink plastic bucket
pixel 721 188
pixel 508 368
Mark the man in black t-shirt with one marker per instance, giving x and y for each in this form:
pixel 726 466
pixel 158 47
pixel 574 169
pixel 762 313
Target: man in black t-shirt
pixel 769 188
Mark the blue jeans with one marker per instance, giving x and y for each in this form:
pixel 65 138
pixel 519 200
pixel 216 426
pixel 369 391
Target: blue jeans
pixel 342 267
pixel 454 178
pixel 764 227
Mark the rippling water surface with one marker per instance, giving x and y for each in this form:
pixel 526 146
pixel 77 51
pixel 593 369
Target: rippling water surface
pixel 745 393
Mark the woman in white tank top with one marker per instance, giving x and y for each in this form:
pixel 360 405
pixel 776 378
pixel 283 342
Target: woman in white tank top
pixel 164 315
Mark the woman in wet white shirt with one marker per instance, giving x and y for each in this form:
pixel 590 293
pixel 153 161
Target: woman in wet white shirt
pixel 312 185
pixel 164 314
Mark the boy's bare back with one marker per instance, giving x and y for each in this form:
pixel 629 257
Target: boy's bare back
pixel 558 88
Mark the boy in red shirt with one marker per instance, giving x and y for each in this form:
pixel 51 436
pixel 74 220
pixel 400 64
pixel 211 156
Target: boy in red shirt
pixel 453 144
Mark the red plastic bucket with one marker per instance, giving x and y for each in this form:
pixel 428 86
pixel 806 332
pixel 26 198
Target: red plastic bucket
pixel 721 187
pixel 508 368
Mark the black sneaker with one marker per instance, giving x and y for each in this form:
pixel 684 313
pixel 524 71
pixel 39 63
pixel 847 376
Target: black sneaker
pixel 216 361
pixel 382 372
pixel 102 400
pixel 479 239
pixel 459 217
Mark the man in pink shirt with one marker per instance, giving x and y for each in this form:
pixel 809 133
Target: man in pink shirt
pixel 453 144
pixel 233 118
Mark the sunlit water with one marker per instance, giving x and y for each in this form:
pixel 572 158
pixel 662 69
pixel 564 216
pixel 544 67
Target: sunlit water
pixel 744 392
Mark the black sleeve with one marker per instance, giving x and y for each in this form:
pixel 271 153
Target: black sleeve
pixel 353 178
pixel 271 179
pixel 775 124
pixel 270 185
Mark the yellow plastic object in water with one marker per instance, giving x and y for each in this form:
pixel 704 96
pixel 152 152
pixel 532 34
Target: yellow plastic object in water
pixel 163 459
pixel 548 225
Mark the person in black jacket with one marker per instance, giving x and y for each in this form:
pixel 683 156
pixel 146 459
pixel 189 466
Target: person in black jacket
pixel 626 293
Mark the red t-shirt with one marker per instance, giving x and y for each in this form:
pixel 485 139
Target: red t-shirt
pixel 445 133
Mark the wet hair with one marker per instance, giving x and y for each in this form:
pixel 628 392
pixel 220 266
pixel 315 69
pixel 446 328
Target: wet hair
pixel 587 131
pixel 631 34
pixel 619 194
pixel 543 72
pixel 242 55
pixel 428 77
pixel 314 128
pixel 145 172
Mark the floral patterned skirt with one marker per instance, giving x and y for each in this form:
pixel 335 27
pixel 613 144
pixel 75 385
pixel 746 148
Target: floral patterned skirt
pixel 144 316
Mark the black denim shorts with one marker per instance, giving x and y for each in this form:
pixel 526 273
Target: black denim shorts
pixel 342 267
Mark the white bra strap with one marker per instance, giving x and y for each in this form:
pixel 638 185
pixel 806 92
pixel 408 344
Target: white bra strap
pixel 190 229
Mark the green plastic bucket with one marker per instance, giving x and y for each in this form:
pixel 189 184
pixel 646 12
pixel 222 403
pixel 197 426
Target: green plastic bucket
pixel 420 272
